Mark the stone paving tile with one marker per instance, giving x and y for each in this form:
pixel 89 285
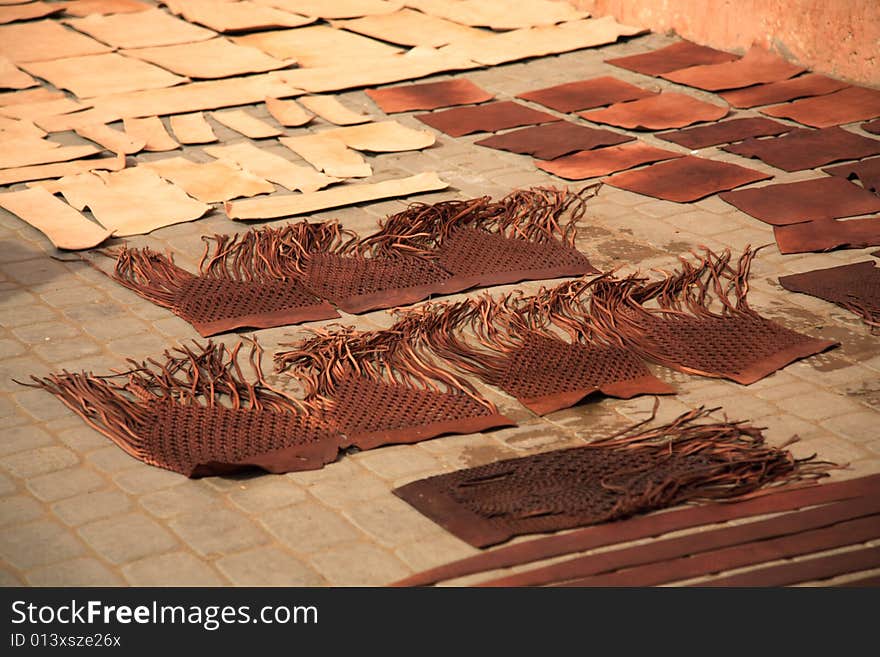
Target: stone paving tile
pixel 68 490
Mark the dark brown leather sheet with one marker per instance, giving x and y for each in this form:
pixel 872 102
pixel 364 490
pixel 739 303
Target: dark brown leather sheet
pixel 827 235
pixel 872 127
pixel 807 570
pixel 804 86
pixel 866 171
pixel 647 526
pixel 602 161
pixel 724 132
pixel 485 118
pixel 844 106
pixel 659 112
pixel 429 96
pixel 679 55
pixel 869 581
pixel 806 200
pixel 855 287
pixel 758 66
pixel 807 149
pixel 686 179
pixel 586 94
pixel 547 142
pixel 794 527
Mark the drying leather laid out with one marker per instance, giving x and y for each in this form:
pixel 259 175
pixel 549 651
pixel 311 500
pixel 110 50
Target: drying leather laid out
pixel 335 9
pixel 380 137
pixel 288 112
pixel 872 127
pixel 63 225
pixel 152 132
pixel 192 128
pixel 171 413
pixel 331 110
pixel 757 66
pixel 586 94
pixel 242 284
pixel 808 149
pixel 98 75
pixel 679 55
pixel 329 155
pixel 112 140
pixel 214 58
pixel 375 390
pixel 608 479
pixel 211 182
pixel 683 332
pixel 12 77
pixel 246 124
pixel 88 7
pixel 855 287
pixel 844 106
pixel 291 205
pixel 513 348
pixel 548 142
pixel 143 29
pixel 724 132
pixel 659 112
pixel 807 200
pixel 428 96
pixel 244 16
pixel 828 235
pixel 602 161
pixel 272 167
pixel 29 11
pixel 866 171
pixel 30 151
pixel 60 169
pixel 646 526
pixel 804 86
pixel 499 14
pixel 42 109
pixel 491 117
pixel 686 179
pixel 410 28
pixel 39 41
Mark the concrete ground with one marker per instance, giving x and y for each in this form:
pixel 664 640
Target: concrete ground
pixel 76 510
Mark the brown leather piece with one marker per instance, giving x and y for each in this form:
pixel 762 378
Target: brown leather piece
pixel 682 54
pixel 724 132
pixel 807 149
pixel 605 480
pixel 428 96
pixel 659 112
pixel 844 106
pixel 195 413
pixel 798 572
pixel 867 172
pixel 601 162
pixel 485 118
pixel 807 200
pixel 686 179
pixel 757 66
pixel 855 287
pixel 700 549
pixel 828 235
pixel 871 580
pixel 646 526
pixel 804 86
pixel 548 142
pixel 586 94
pixel 872 127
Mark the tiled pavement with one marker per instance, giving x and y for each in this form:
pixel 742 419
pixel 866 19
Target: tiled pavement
pixel 76 510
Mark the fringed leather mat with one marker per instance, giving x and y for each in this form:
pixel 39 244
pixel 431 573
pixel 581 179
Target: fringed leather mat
pixel 855 287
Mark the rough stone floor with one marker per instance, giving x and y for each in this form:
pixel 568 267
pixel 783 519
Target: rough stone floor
pixel 76 510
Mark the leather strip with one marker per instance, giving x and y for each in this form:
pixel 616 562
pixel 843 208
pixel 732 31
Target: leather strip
pixel 645 526
pixel 867 581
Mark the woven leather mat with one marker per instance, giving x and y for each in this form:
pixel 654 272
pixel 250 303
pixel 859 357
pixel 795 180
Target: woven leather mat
pixel 758 66
pixel 844 106
pixel 485 118
pixel 686 179
pixel 855 287
pixel 432 95
pixel 672 58
pixel 804 86
pixel 586 94
pixel 807 200
pixel 867 171
pixel 807 149
pixel 724 132
pixel 827 235
pixel 659 112
pixel 601 162
pixel 548 142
